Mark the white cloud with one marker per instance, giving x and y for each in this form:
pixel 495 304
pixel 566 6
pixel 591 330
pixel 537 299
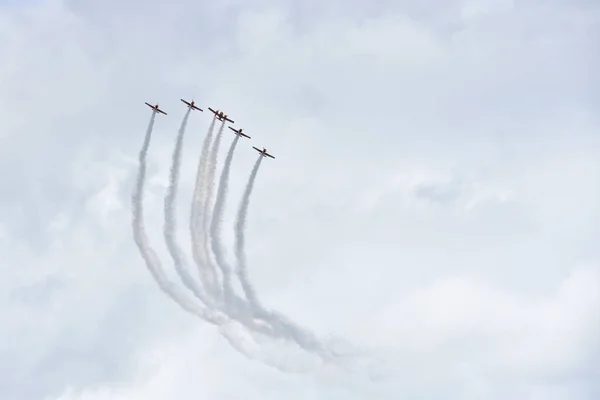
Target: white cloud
pixel 434 196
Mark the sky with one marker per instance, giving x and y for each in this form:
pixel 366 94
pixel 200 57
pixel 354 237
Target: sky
pixel 433 203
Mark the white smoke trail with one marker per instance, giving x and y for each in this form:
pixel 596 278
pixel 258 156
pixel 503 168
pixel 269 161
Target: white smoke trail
pixel 210 176
pixel 240 239
pixel 280 324
pixel 208 274
pixel 149 255
pixel 207 197
pixel 215 226
pixel 169 228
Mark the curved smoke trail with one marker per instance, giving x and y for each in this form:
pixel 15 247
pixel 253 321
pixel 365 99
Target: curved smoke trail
pixel 208 274
pixel 207 197
pixel 215 226
pixel 240 239
pixel 210 176
pixel 280 323
pixel 169 229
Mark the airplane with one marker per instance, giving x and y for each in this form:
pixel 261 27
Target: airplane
pixel 220 115
pixel 155 108
pixel 191 105
pixel 239 132
pixel 263 152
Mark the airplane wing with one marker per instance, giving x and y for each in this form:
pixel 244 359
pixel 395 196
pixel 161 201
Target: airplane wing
pixel 236 131
pixel 186 102
pixel 213 111
pixel 160 111
pixel 257 149
pixel 244 135
pixel 268 155
pixel 230 120
pixel 198 108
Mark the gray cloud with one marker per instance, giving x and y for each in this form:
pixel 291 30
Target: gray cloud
pixel 434 196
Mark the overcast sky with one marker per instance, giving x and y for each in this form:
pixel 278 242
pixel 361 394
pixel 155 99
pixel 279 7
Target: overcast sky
pixel 433 201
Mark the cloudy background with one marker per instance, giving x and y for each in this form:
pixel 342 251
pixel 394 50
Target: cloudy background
pixel 434 198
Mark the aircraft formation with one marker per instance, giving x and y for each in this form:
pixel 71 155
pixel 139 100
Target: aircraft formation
pixel 209 292
pixel 220 116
